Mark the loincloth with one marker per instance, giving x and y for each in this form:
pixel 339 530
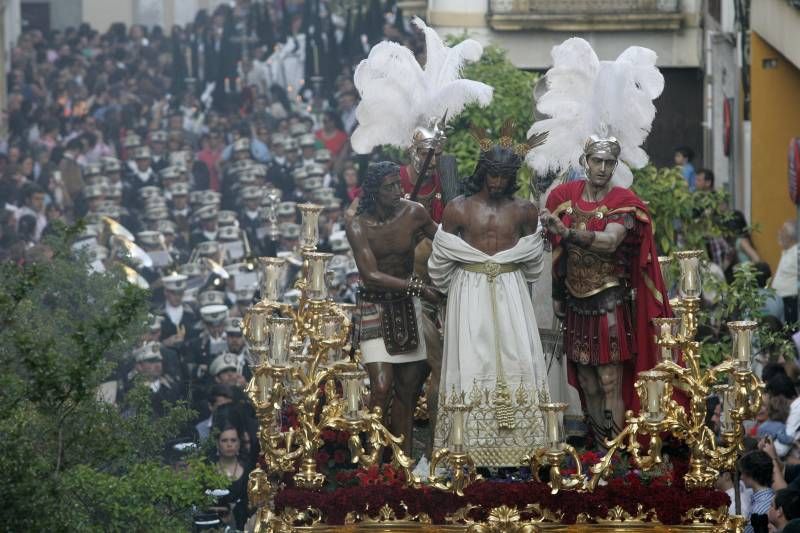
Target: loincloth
pixel 390 315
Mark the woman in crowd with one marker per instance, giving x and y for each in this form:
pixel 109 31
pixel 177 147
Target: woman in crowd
pixel 231 464
pixel 332 134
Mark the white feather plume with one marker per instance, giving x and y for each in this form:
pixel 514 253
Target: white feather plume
pixel 398 95
pixel 586 96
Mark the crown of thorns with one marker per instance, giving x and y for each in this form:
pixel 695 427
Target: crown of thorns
pixel 506 139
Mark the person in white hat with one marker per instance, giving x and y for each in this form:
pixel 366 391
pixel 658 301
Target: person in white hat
pixel 225 369
pixel 149 369
pixel 140 174
pixel 157 144
pixel 237 346
pixel 211 341
pixel 178 317
pixel 207 218
pixel 308 149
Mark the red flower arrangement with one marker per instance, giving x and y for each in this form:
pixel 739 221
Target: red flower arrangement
pixel 670 502
pixel 334 454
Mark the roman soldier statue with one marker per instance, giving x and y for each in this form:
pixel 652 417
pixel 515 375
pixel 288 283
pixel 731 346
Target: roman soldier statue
pixel 607 285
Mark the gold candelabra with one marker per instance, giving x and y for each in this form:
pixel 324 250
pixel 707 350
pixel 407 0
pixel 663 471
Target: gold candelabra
pixel 462 465
pixel 301 350
pixel 737 386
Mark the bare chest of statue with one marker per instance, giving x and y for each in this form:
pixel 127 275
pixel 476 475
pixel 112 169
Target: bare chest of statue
pixel 491 229
pixel 392 243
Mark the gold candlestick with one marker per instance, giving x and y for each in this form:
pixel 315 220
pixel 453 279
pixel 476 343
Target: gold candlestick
pixel 461 463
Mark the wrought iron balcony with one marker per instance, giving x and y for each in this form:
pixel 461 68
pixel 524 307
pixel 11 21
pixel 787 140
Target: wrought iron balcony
pixel 585 15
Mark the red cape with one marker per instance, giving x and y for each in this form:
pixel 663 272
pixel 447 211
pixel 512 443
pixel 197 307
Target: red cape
pixel 645 274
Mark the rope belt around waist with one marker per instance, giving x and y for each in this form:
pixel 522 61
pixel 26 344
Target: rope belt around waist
pixel 491 269
pixel 502 395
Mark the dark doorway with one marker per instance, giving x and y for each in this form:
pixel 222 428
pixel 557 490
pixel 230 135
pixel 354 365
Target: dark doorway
pixel 36 16
pixel 679 117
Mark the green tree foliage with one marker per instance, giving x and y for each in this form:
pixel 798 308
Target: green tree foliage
pixel 513 98
pixel 71 462
pixel 682 219
pixel 742 299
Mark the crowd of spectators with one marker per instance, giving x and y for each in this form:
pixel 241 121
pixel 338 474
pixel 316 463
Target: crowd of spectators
pixel 173 150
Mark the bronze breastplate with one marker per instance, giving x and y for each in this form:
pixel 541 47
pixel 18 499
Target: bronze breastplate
pixel 588 272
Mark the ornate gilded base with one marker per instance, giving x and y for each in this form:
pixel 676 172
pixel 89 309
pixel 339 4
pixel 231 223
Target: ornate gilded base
pixel 555 528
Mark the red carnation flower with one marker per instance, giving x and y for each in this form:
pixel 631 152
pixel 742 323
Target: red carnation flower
pixel 323 458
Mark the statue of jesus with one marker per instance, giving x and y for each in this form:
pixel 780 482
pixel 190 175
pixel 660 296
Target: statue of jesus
pixel 487 251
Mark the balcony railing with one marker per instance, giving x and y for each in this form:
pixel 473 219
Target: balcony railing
pixel 585 15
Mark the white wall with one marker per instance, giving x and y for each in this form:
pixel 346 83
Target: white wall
pixel 531 49
pixel 779 24
pixel 101 14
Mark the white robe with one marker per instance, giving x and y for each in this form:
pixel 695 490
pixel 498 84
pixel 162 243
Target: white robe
pixel 470 354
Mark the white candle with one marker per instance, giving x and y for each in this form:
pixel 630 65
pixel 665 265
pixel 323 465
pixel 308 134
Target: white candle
pixel 310 225
pixel 227 85
pixel 317 276
pixel 280 329
pixel 743 348
pixel 264 387
pixel 666 334
pixel 458 430
pixel 272 273
pixel 553 439
pixel 690 273
pixel 257 329
pixel 654 392
pixel 353 395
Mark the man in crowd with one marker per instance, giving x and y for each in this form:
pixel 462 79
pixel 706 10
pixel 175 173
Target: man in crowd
pixel 683 159
pixel 704 180
pixel 756 469
pixel 785 280
pixel 785 508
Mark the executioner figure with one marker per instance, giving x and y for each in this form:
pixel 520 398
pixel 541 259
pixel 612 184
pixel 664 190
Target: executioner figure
pixel 486 253
pixel 383 235
pixel 407 105
pixel 607 285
